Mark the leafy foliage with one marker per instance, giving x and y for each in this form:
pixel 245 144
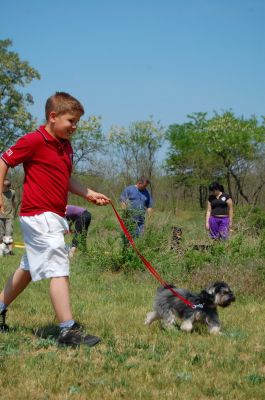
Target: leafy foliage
pixel 15 119
pixel 87 142
pixel 222 147
pixel 136 147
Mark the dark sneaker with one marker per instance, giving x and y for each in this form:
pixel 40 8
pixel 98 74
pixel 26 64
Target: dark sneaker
pixel 3 326
pixel 75 336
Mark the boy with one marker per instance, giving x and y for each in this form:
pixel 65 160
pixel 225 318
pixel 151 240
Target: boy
pixel 6 217
pixel 46 155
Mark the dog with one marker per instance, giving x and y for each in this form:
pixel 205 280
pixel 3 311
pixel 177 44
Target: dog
pixel 167 307
pixel 176 237
pixel 4 249
pixel 202 247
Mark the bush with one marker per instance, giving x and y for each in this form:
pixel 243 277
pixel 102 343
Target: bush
pixel 250 218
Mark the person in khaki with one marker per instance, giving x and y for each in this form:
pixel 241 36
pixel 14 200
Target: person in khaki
pixel 7 216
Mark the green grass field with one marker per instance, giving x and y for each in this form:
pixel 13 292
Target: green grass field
pixel 111 294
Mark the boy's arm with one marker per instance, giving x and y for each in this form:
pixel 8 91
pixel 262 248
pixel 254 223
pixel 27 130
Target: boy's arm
pixel 94 197
pixel 3 171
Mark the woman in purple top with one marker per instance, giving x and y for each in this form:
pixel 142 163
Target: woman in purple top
pixel 219 215
pixel 81 219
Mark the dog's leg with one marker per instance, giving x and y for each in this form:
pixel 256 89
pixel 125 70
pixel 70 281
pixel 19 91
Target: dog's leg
pixel 214 330
pixel 186 325
pixel 151 317
pixel 169 320
pixel 213 323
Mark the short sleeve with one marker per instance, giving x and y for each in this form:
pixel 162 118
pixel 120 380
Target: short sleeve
pixel 124 196
pixel 19 153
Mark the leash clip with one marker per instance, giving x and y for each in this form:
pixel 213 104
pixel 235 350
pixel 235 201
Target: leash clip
pixel 195 306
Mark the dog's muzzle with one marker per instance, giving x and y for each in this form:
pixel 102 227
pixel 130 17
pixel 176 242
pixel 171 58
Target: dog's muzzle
pixel 230 299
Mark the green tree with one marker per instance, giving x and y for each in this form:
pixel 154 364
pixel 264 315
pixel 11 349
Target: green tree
pixel 222 147
pixel 237 143
pixel 135 148
pixel 15 74
pixel 88 142
pixel 186 159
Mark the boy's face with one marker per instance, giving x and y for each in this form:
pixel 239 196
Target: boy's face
pixel 62 126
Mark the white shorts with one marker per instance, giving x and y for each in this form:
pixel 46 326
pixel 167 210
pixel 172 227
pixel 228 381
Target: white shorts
pixel 46 252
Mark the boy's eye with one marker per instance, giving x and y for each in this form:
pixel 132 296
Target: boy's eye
pixel 73 122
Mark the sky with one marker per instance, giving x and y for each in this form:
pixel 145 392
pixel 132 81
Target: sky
pixel 127 60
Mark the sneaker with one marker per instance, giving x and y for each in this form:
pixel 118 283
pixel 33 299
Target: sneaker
pixel 3 326
pixel 75 336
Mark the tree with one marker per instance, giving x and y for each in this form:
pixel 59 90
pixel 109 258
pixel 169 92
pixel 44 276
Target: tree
pixel 15 119
pixel 237 143
pixel 88 142
pixel 186 159
pixel 135 148
pixel 223 147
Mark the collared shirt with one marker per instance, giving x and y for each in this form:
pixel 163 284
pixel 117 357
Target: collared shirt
pixel 139 200
pixel 47 163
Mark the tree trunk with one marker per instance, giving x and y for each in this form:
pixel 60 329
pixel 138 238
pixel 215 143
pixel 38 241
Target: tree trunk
pixel 203 196
pixel 239 186
pixel 229 186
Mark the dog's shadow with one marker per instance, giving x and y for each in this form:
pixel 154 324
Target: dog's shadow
pixel 199 329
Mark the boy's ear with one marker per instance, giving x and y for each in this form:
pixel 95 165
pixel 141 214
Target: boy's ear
pixel 52 116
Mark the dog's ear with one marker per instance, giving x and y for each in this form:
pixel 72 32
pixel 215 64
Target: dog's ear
pixel 207 297
pixel 210 289
pixel 219 285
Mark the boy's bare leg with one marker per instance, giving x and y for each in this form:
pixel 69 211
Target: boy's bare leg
pixel 15 285
pixel 60 297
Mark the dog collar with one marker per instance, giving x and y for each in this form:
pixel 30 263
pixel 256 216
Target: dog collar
pixel 195 306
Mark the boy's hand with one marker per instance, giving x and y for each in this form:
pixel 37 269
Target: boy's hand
pixel 97 198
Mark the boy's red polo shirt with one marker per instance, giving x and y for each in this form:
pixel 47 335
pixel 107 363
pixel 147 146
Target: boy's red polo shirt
pixel 47 164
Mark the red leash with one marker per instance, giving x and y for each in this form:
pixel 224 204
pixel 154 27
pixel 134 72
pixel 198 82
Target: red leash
pixel 149 266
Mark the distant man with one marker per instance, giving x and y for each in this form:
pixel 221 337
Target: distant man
pixel 136 200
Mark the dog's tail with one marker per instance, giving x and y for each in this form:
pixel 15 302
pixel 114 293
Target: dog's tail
pixel 160 289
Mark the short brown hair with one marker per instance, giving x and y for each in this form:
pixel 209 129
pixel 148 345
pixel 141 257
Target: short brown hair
pixel 63 103
pixel 143 180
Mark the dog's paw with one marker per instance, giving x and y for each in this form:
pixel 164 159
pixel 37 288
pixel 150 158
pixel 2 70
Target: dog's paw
pixel 215 330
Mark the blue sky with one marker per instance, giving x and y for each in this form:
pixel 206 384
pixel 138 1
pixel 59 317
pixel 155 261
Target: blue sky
pixel 126 60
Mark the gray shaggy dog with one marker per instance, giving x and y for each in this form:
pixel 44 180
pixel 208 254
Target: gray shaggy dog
pixel 167 307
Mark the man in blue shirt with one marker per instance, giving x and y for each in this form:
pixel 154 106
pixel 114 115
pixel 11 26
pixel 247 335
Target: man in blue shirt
pixel 136 200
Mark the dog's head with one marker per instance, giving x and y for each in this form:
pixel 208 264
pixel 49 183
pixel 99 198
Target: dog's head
pixel 176 232
pixel 218 294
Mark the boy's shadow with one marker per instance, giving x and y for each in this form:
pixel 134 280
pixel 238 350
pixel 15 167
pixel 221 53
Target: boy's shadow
pixel 47 332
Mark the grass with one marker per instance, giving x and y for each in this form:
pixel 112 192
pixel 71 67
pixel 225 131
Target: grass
pixel 111 294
